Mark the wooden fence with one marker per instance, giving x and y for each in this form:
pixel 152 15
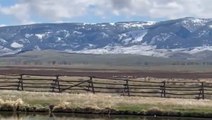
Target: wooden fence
pixel 121 86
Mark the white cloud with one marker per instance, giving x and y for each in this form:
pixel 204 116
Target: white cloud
pixel 163 8
pixel 59 10
pixel 2 25
pixel 19 11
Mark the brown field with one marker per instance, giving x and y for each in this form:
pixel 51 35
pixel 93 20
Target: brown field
pixel 102 72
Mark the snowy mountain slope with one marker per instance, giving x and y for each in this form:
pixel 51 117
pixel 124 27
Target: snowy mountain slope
pixel 162 39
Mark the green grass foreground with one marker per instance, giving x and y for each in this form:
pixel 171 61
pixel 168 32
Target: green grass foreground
pixel 103 104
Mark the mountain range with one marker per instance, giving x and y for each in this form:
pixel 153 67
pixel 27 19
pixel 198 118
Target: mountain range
pixel 185 38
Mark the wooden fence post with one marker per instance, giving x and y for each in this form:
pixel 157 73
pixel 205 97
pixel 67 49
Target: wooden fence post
pixel 20 83
pixel 203 91
pixel 163 89
pixel 56 84
pixel 91 84
pixel 53 85
pixel 126 87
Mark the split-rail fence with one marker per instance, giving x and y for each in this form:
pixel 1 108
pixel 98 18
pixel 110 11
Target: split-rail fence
pixel 122 86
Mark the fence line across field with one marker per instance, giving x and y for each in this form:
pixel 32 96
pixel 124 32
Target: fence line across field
pixel 121 86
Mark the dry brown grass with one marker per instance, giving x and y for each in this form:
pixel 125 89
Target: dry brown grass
pixel 100 101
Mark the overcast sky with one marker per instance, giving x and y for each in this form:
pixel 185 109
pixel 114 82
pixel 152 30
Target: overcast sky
pixel 13 12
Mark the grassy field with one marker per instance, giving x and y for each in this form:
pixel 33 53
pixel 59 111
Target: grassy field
pixel 103 104
pixel 106 61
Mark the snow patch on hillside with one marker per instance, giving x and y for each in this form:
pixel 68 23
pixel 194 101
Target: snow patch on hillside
pixel 150 23
pixel 11 52
pixel 3 49
pixel 59 39
pixel 2 41
pixel 143 49
pixel 28 35
pixel 40 36
pixel 140 38
pixel 112 24
pixel 203 33
pixel 193 24
pixel 16 45
pixel 135 49
pixel 121 36
pixel 138 24
pixel 161 37
pixel 104 35
pixel 198 49
pixel 37 48
pixel 199 21
pixel 77 32
pixel 6 51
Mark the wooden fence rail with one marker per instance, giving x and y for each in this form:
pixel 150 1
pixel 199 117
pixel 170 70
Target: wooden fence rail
pixel 126 87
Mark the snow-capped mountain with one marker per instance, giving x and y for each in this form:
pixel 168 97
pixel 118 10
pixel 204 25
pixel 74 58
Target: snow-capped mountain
pixel 165 39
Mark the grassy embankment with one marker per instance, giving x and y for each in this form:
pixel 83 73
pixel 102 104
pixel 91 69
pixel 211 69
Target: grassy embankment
pixel 103 104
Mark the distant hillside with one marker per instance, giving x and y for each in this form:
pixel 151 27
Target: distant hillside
pixel 186 38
